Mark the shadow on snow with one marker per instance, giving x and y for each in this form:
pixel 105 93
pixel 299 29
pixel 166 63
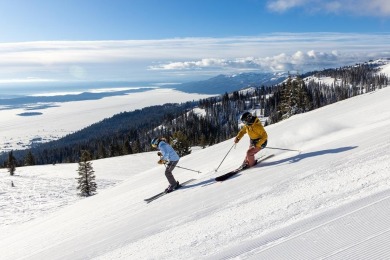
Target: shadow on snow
pixel 302 156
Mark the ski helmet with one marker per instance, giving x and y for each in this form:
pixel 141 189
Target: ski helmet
pixel 247 118
pixel 155 141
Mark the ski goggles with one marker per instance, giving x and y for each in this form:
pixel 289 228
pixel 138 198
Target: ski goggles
pixel 154 142
pixel 248 120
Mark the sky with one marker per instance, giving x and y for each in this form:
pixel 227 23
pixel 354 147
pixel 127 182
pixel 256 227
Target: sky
pixel 60 41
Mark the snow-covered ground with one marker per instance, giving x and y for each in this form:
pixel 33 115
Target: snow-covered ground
pixel 330 199
pixel 18 132
pixel 385 69
pixel 383 65
pixel 38 190
pixel 328 81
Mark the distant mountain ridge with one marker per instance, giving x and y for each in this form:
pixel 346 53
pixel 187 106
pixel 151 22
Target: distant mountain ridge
pixel 220 84
pixel 229 83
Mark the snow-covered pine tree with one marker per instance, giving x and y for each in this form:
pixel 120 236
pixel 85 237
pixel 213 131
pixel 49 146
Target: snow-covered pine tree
pixel 86 181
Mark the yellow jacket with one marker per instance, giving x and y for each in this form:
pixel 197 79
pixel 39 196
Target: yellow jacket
pixel 254 131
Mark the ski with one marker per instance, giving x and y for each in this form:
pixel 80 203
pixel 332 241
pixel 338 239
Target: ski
pixel 148 200
pixel 240 169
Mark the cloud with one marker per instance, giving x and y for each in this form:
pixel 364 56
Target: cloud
pixel 207 63
pixel 284 5
pixel 26 80
pixel 379 8
pixel 282 62
pixel 179 58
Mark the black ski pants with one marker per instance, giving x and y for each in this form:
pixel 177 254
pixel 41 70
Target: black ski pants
pixel 168 172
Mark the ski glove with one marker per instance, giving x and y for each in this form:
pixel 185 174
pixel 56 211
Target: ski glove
pixel 236 140
pixel 161 161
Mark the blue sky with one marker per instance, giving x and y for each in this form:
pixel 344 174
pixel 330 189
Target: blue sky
pixel 180 40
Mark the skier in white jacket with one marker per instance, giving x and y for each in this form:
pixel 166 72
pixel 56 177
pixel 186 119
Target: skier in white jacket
pixel 170 158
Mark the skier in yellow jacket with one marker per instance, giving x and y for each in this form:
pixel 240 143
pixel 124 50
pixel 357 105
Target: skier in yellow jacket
pixel 257 134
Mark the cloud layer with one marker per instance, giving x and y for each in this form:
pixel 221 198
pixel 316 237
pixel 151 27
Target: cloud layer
pixel 379 8
pixel 282 62
pixel 184 58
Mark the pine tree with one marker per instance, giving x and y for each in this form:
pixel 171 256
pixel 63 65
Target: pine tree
pixel 136 146
pixel 181 144
pixel 203 141
pixel 86 181
pixel 101 153
pixel 29 160
pixel 126 148
pixel 294 98
pixel 285 98
pixel 11 163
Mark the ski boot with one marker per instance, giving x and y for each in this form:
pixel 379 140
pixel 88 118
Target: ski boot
pixel 172 187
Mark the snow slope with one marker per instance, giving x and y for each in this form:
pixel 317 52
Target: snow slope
pixel 329 200
pixel 385 69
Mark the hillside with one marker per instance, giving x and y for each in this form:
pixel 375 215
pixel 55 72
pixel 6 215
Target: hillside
pixel 330 200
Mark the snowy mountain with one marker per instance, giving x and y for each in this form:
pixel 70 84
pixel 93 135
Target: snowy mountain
pixel 326 197
pixel 383 66
pixel 228 83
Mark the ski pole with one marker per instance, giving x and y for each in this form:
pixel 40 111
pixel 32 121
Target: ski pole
pixel 284 149
pixel 225 157
pixel 181 167
pixel 187 169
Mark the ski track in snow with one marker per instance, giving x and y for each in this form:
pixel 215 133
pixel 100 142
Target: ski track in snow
pixel 319 231
pixel 262 212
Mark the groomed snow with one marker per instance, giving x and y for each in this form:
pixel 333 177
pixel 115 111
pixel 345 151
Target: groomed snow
pixel 328 200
